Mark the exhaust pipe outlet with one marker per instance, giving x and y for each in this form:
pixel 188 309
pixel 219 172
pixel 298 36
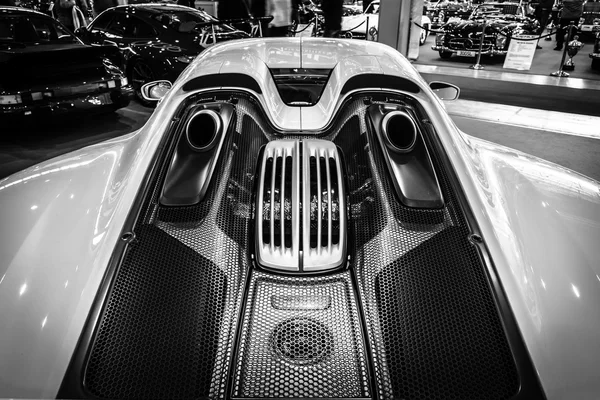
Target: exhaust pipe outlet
pixel 400 131
pixel 203 129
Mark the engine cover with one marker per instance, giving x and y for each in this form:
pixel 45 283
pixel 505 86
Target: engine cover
pixel 301 207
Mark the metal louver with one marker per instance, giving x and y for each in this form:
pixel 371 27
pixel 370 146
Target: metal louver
pixel 324 241
pixel 282 207
pixel 278 228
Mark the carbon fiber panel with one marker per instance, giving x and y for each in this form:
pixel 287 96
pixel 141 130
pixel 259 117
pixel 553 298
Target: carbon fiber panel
pixel 170 323
pixel 301 337
pixel 170 320
pixel 139 352
pixel 431 318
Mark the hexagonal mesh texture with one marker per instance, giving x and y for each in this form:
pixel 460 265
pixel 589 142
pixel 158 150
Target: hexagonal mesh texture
pixel 170 319
pixel 431 317
pixel 301 338
pixel 168 325
pixel 158 337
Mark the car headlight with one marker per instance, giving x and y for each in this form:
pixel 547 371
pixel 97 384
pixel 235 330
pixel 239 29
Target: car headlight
pixel 185 59
pixel 581 21
pixel 500 41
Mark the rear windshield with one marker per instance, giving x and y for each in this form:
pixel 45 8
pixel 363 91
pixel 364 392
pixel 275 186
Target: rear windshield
pixel 23 30
pixel 190 21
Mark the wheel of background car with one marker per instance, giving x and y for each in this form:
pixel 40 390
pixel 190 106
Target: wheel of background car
pixel 140 74
pixel 596 64
pixel 445 54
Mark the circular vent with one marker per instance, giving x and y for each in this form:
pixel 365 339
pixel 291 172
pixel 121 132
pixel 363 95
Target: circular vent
pixel 302 341
pixel 400 131
pixel 202 130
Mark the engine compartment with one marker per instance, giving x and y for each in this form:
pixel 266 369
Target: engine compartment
pixel 249 293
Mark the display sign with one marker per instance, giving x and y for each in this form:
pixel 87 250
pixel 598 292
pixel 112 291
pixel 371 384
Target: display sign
pixel 590 28
pixel 520 52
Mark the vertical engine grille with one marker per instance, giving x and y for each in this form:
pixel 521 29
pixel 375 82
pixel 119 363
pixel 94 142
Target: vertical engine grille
pixel 278 228
pixel 324 206
pixel 320 208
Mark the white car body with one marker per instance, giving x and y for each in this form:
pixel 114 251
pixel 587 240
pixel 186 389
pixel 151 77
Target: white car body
pixel 62 219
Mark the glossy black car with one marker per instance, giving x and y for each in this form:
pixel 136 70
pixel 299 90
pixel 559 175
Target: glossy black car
pixel 37 5
pixel 45 70
pixel 157 41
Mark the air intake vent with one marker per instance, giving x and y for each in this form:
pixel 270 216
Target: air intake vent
pixel 324 206
pixel 278 211
pixel 282 207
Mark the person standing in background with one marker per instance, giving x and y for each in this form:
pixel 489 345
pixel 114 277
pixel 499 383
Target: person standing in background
pixel 571 12
pixel 71 13
pixel 101 5
pixel 332 10
pixel 233 9
pixel 542 14
pixel 236 9
pixel 281 10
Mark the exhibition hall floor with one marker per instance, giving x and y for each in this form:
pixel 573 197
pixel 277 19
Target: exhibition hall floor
pixel 545 60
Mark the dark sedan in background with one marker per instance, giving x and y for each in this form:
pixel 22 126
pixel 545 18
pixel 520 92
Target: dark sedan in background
pixel 48 71
pixel 157 41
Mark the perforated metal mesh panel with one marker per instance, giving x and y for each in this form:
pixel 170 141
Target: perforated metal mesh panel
pixel 431 318
pixel 159 334
pixel 170 320
pixel 301 338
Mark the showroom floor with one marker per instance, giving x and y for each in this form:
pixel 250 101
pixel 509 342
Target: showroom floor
pixel 545 60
